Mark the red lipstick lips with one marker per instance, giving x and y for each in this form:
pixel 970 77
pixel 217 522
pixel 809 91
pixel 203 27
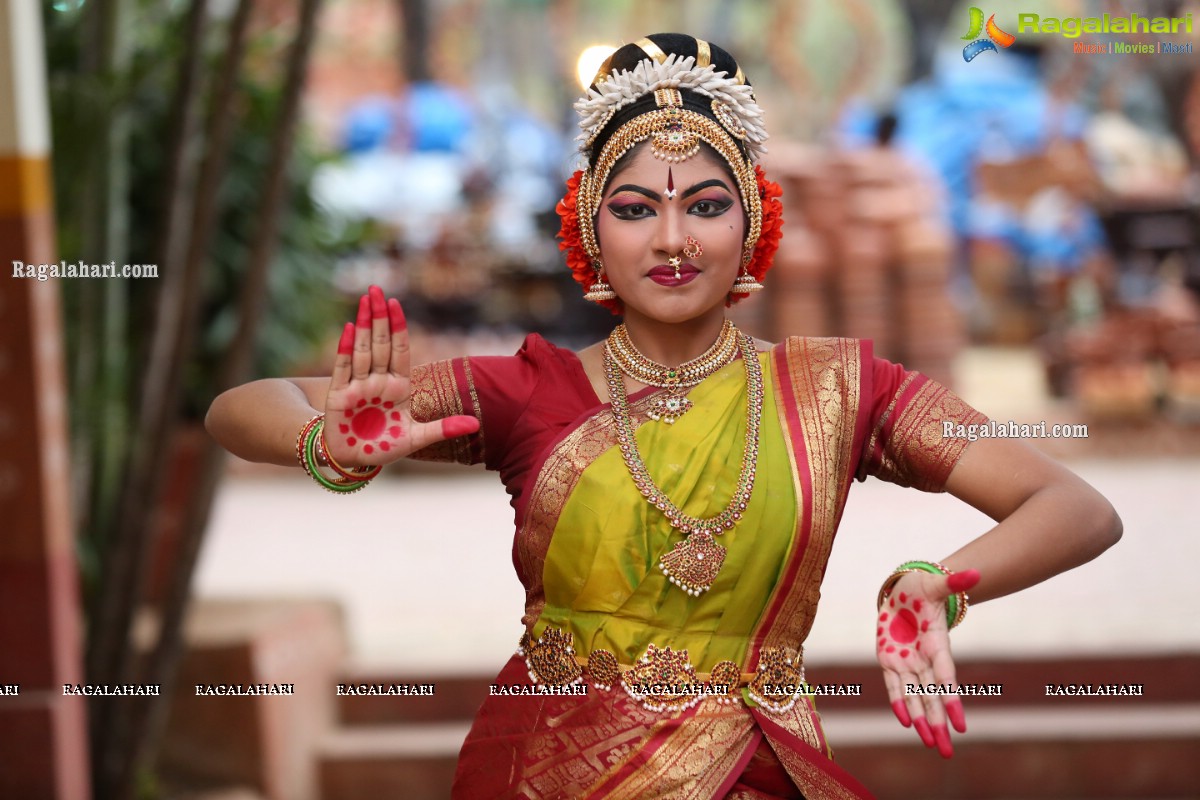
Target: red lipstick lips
pixel 664 275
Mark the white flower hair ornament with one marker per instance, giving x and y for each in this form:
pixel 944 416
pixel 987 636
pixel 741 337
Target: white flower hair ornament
pixel 733 100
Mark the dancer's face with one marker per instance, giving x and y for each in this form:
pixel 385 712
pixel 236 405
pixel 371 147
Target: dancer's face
pixel 640 226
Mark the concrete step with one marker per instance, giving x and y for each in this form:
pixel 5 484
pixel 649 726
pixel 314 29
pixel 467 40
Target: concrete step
pixel 1121 752
pixel 1164 678
pixel 454 698
pixel 265 744
pixel 369 762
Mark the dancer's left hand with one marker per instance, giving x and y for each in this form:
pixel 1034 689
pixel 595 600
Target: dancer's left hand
pixel 913 647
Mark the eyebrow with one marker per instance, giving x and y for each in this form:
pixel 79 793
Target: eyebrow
pixel 704 185
pixel 633 187
pixel 656 197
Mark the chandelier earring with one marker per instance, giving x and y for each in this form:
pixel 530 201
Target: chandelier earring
pixel 600 290
pixel 746 283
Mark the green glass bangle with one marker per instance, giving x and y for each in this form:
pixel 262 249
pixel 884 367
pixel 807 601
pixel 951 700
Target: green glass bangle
pixel 953 604
pixel 935 569
pixel 314 469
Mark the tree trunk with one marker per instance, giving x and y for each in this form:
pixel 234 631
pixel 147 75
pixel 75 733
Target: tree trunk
pixel 102 368
pixel 110 656
pixel 414 55
pixel 164 659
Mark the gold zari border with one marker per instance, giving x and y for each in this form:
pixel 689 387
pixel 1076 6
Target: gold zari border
pixel 917 454
pixel 435 394
pixel 824 376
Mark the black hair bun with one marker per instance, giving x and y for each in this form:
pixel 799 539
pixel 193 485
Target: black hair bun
pixel 628 56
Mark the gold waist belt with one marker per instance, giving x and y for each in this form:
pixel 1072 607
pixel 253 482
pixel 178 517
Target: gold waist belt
pixel 664 679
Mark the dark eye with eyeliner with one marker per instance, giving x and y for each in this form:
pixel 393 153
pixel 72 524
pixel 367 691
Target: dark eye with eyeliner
pixel 630 210
pixel 710 207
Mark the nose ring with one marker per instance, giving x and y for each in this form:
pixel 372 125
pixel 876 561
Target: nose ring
pixel 691 249
pixel 675 262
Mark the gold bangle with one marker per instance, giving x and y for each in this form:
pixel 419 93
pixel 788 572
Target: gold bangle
pixel 956 611
pixel 885 590
pixel 365 473
pixel 302 436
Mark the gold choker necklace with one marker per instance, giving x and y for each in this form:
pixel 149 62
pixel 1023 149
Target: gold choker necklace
pixel 694 563
pixel 674 404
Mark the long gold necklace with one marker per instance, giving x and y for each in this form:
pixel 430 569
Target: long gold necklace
pixel 693 564
pixel 673 404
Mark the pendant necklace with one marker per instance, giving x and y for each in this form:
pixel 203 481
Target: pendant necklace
pixel 693 564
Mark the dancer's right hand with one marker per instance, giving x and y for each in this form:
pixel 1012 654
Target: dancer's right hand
pixel 913 647
pixel 367 419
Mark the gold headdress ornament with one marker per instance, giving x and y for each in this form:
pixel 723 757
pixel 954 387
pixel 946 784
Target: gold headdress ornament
pixel 679 102
pixel 620 88
pixel 735 129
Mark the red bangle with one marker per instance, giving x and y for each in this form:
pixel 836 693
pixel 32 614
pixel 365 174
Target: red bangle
pixel 302 436
pixel 357 474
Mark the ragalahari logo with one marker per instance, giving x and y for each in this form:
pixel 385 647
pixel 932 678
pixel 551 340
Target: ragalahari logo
pixel 995 35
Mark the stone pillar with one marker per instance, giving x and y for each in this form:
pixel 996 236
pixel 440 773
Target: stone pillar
pixel 43 735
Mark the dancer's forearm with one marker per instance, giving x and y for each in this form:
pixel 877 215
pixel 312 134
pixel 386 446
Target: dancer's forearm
pixel 259 421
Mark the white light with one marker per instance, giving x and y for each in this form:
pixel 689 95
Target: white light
pixel 589 62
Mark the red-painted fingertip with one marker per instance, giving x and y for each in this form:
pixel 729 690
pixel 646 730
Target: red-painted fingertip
pixel 954 711
pixel 901 712
pixel 962 581
pixel 378 303
pixel 942 736
pixel 364 312
pixel 459 426
pixel 346 343
pixel 396 315
pixel 923 731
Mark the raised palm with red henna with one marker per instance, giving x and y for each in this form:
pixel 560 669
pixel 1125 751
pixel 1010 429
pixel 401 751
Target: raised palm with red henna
pixel 367 419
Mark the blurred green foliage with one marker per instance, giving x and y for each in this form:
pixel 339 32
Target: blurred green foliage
pixel 302 310
pixel 110 103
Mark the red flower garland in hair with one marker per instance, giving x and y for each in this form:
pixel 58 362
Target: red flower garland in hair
pixel 572 241
pixel 581 264
pixel 772 230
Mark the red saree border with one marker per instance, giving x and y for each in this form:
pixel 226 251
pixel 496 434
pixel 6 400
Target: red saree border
pixel 789 415
pixel 817 385
pixel 600 745
pixel 817 776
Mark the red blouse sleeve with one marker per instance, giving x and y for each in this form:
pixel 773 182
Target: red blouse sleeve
pixel 493 389
pixel 908 411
